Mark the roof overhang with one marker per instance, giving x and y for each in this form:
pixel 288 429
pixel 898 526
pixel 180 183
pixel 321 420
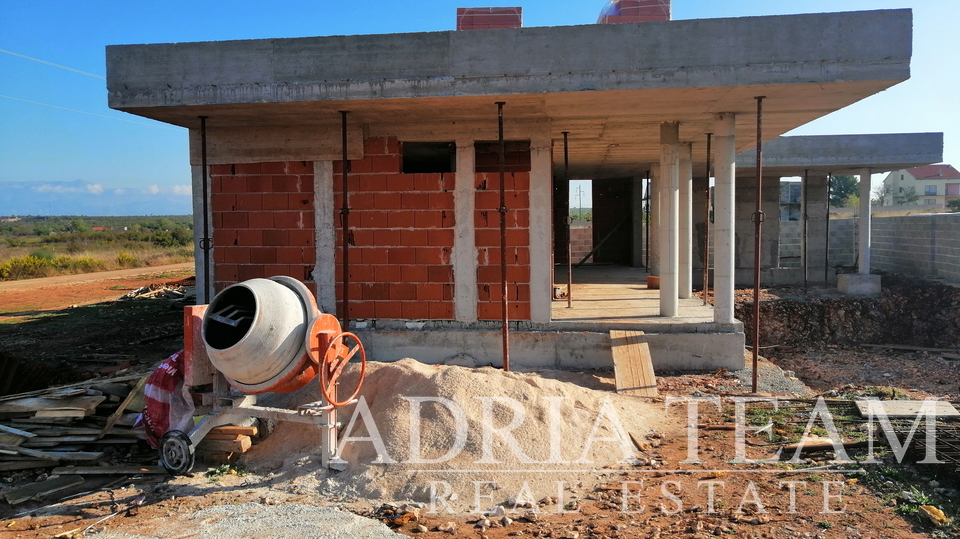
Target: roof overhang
pixel 610 86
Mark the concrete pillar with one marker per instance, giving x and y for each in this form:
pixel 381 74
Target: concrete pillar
pixel 700 185
pixel 654 254
pixel 863 243
pixel 325 273
pixel 670 220
pixel 196 173
pixel 464 255
pixel 816 207
pixel 725 171
pixel 685 276
pixel 636 211
pixel 541 192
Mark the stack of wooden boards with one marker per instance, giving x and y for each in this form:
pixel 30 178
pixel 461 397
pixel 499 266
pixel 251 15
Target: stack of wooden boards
pixel 224 445
pixel 74 423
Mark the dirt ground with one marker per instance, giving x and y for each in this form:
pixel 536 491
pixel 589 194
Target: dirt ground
pixel 877 500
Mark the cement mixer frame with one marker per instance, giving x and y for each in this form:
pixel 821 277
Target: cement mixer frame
pixel 324 352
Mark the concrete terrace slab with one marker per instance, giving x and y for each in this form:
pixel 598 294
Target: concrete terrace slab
pixel 608 85
pixel 843 154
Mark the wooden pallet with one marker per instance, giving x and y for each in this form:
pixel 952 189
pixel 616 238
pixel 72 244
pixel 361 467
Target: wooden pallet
pixel 632 365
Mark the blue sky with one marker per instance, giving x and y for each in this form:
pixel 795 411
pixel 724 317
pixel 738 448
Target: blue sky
pixel 107 151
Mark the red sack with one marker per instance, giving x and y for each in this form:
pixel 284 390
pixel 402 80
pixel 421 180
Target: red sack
pixel 169 405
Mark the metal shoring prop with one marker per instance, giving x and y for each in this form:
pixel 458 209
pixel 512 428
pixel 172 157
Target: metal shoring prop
pixel 649 194
pixel 803 218
pixel 205 243
pixel 345 223
pixel 568 220
pixel 504 303
pixel 826 255
pixel 758 222
pixel 706 225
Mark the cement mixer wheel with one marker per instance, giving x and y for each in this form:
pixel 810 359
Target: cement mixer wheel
pixel 177 452
pixel 339 352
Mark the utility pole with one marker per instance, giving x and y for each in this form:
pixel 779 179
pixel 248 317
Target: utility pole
pixel 580 205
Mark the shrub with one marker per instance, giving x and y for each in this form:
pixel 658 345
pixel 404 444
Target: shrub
pixel 26 267
pixel 127 260
pixel 45 254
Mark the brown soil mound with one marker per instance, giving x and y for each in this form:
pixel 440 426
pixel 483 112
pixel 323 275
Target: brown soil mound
pixel 576 415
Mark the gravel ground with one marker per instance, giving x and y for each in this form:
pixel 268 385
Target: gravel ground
pixel 253 520
pixel 771 379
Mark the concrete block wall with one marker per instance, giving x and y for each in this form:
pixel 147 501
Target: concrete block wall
pixel 790 246
pixel 487 238
pixel 921 245
pixel 581 242
pixel 263 221
pixel 402 237
pixel 843 242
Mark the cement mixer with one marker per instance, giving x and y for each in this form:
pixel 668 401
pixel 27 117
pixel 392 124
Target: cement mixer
pixel 267 336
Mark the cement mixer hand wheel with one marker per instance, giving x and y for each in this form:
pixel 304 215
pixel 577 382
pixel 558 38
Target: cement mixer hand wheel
pixel 340 351
pixel 176 452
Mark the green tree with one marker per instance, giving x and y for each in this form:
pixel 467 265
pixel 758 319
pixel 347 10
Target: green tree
pixel 880 193
pixel 910 196
pixel 954 205
pixel 78 225
pixel 841 188
pixel 853 201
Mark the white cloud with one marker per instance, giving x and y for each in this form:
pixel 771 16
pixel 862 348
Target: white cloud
pixel 152 190
pixel 94 188
pixel 184 190
pixel 47 188
pixel 119 191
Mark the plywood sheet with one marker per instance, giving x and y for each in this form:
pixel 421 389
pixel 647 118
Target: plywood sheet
pixel 901 409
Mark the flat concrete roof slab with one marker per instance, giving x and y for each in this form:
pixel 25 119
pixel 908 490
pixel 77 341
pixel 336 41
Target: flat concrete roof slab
pixel 608 85
pixel 843 154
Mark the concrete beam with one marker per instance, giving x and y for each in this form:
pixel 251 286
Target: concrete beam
pixel 857 46
pixel 842 154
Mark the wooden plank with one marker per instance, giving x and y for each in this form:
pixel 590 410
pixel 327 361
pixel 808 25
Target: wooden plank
pixel 18 432
pixel 107 470
pixel 904 409
pixel 11 439
pixel 42 488
pixel 54 455
pixel 115 416
pixel 219 436
pixel 86 403
pixel 61 413
pixel 226 446
pixel 632 364
pixel 231 429
pixel 13 465
pixel 86 384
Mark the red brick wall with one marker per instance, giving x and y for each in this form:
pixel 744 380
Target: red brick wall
pixel 487 237
pixel 479 18
pixel 263 221
pixel 402 230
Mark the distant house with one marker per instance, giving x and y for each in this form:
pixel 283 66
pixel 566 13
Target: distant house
pixel 935 184
pixel 99 229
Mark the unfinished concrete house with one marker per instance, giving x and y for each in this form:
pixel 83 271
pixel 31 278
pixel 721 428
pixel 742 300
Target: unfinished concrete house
pixel 415 117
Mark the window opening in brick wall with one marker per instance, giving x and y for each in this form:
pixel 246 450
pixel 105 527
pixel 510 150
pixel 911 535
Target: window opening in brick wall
pixel 429 157
pixel 516 155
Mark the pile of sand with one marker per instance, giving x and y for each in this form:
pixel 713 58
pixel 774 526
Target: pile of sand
pixel 555 421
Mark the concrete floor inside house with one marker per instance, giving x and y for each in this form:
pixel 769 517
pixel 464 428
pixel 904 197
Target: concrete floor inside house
pixel 619 294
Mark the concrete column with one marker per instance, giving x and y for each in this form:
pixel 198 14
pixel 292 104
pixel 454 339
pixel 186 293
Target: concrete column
pixel 670 220
pixel 725 129
pixel 636 209
pixel 816 205
pixel 541 193
pixel 654 254
pixel 464 242
pixel 685 276
pixel 196 173
pixel 863 247
pixel 325 272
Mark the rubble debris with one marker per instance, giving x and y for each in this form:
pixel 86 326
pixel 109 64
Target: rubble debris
pixel 157 291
